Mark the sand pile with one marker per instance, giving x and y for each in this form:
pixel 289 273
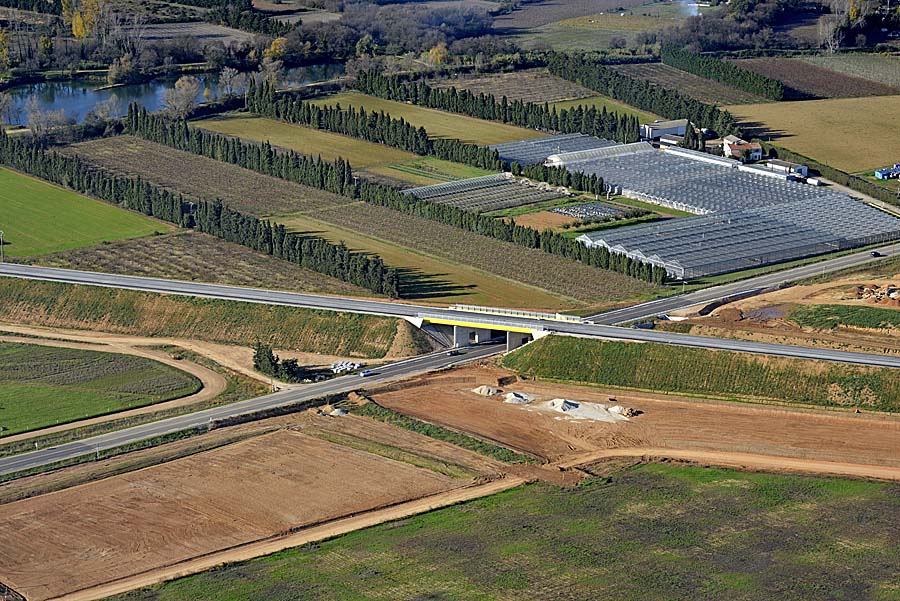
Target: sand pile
pixel 486 391
pixel 586 411
pixel 517 398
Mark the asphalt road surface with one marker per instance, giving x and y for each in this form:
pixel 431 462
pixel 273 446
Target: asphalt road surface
pixel 343 384
pixel 755 284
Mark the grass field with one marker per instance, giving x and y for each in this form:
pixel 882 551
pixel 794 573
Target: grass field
pixel 650 533
pixel 704 372
pixel 809 80
pixel 619 22
pixel 145 314
pixel 851 134
pixel 438 124
pixel 424 171
pixel 881 68
pixel 827 317
pixel 697 87
pixel 39 218
pixel 611 105
pixel 42 386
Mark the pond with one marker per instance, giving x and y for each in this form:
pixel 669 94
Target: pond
pixel 78 98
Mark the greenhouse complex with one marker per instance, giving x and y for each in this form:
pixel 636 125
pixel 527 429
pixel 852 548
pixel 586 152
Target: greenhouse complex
pixel 744 218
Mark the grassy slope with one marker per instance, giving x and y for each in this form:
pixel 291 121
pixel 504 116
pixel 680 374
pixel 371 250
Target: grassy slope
pixel 42 386
pixel 439 124
pixel 650 533
pixel 229 322
pixel 852 134
pixel 826 317
pixel 709 373
pixel 38 218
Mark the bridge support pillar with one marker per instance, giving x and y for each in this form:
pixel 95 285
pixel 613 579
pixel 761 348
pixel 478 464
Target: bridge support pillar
pixel 463 336
pixel 516 339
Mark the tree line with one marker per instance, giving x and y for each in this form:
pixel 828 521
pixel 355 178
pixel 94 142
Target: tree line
pixel 584 120
pixel 337 177
pixel 52 7
pixel 267 362
pixel 378 127
pixel 239 14
pixel 671 104
pixel 212 218
pixel 723 71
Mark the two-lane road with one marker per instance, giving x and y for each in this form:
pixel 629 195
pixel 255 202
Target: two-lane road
pixel 343 384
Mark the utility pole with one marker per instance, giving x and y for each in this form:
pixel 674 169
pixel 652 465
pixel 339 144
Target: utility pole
pixel 1 247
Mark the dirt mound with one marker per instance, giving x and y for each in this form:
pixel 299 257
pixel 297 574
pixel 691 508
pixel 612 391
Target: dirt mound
pixel 410 341
pixel 730 314
pixel 486 391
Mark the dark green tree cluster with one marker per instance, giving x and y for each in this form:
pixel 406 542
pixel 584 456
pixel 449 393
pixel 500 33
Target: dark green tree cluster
pixel 239 14
pixel 723 71
pixel 560 176
pixel 375 127
pixel 267 362
pixel 592 74
pixel 50 7
pixel 584 120
pixel 336 177
pixel 692 140
pixel 211 217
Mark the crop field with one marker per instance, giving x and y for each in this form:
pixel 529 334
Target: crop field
pixel 42 386
pixel 697 87
pixel 880 68
pixel 511 262
pixel 827 317
pixel 611 105
pixel 812 81
pixel 202 178
pixel 31 212
pixel 618 21
pixel 424 171
pixel 329 146
pixel 642 534
pixel 196 256
pixel 128 312
pixel 485 195
pixel 203 33
pixel 544 13
pixel 851 134
pixel 532 85
pixel 427 277
pixel 709 373
pixel 195 505
pixel 438 124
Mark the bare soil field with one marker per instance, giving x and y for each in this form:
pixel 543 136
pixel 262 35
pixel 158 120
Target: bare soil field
pixel 667 422
pixel 694 86
pixel 545 219
pixel 881 68
pixel 203 33
pixel 533 85
pixel 242 189
pixel 179 510
pixel 852 134
pixel 550 11
pixel 812 81
pixel 196 256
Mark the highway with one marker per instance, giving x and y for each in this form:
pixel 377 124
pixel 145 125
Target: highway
pixel 759 283
pixel 343 384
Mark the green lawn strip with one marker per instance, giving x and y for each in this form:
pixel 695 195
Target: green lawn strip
pixel 701 372
pixel 629 202
pixel 651 532
pixel 43 386
pixel 827 317
pixel 574 232
pixel 464 441
pixel 39 218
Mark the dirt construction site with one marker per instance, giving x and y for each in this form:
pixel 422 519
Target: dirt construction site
pixel 286 481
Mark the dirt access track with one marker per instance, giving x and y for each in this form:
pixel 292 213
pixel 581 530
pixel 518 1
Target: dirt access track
pixel 769 435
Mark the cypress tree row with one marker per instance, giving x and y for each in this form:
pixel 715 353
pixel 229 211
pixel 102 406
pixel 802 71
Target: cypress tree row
pixel 671 104
pixel 583 120
pixel 38 6
pixel 723 71
pixel 210 217
pixel 337 177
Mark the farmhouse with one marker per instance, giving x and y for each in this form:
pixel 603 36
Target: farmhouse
pixel 736 148
pixel 654 131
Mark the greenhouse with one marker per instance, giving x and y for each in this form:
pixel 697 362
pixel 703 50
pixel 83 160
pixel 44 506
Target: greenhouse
pixel 532 152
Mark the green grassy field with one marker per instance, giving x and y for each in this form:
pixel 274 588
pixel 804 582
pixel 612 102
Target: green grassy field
pixel 827 317
pixel 43 386
pixel 146 314
pixel 424 171
pixel 439 124
pixel 39 218
pixel 719 374
pixel 651 533
pixel 611 105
